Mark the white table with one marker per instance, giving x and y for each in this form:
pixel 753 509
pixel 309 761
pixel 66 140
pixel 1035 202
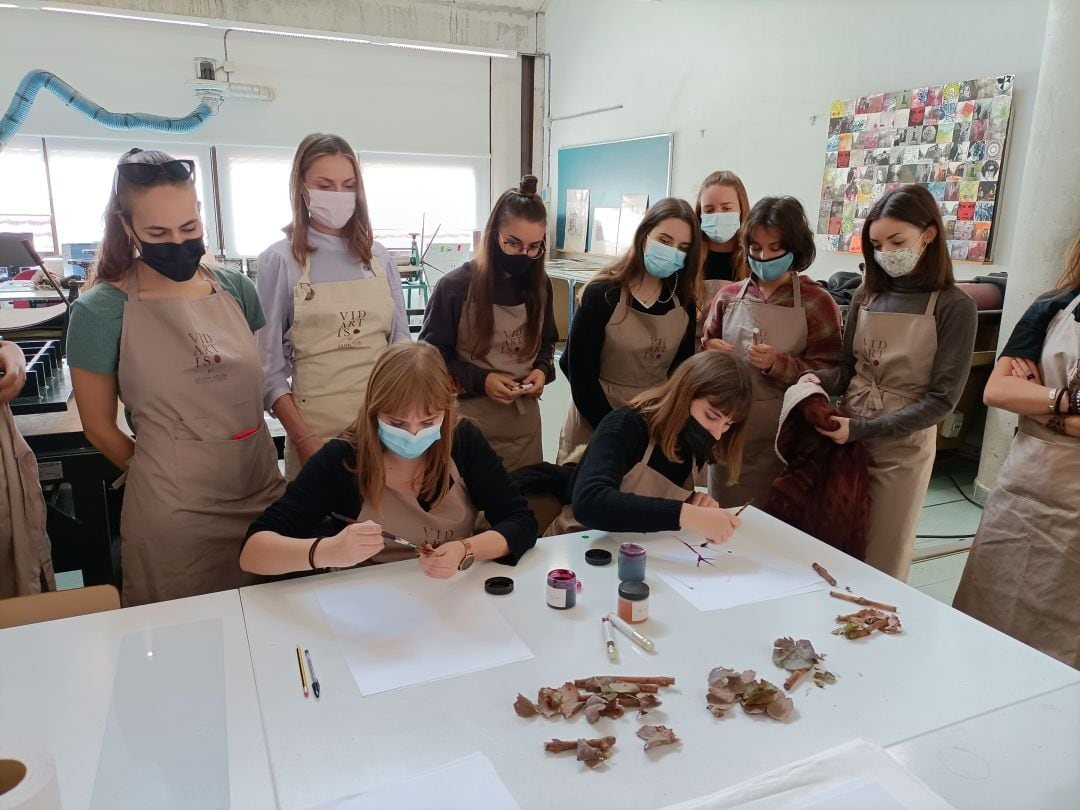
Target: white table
pixel 57 684
pixel 944 670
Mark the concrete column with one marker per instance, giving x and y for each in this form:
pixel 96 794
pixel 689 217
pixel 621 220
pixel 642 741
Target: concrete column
pixel 1049 207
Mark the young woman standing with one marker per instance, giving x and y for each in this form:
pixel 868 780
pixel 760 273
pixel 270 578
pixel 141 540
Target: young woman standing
pixel 173 339
pixel 635 323
pixel 332 297
pixel 905 361
pixel 783 323
pixel 722 207
pixel 493 321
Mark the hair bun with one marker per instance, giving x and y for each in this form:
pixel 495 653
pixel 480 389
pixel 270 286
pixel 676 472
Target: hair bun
pixel 527 186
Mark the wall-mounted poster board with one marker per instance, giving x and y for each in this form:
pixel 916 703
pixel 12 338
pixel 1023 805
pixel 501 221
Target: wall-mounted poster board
pixel 637 166
pixel 948 138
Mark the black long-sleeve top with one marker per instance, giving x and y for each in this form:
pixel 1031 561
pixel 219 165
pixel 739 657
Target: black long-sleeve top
pixel 618 444
pixel 325 485
pixel 581 360
pixel 443 318
pixel 719 266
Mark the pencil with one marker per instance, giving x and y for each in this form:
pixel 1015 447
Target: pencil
pixel 743 507
pixel 303 677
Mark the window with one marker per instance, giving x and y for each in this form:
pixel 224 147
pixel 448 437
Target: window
pixel 255 197
pixel 24 193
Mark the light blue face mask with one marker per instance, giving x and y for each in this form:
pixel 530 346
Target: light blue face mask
pixel 771 269
pixel 408 445
pixel 662 260
pixel 720 226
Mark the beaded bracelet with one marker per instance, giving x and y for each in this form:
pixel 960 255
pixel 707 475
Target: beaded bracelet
pixel 1057 424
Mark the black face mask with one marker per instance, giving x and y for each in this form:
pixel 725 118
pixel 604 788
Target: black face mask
pixel 517 266
pixel 696 439
pixel 177 262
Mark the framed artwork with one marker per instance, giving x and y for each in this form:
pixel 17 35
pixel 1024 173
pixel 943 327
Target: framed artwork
pixel 949 138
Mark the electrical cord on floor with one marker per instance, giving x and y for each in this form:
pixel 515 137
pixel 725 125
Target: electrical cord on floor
pixel 959 489
pixel 967 536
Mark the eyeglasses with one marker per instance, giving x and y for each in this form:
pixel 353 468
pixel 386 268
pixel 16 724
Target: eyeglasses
pixel 141 174
pixel 514 247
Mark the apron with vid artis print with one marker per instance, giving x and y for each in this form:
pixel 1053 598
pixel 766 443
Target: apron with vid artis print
pixel 894 363
pixel 783 328
pixel 204 465
pixel 638 350
pixel 339 330
pixel 1023 573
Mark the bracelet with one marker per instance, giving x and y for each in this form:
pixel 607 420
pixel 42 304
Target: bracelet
pixel 1057 424
pixel 304 438
pixel 1062 394
pixel 1074 400
pixel 1053 400
pixel 311 552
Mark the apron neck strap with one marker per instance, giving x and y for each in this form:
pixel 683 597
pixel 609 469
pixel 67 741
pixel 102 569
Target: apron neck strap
pixel 745 287
pixel 305 271
pixel 796 289
pixel 931 305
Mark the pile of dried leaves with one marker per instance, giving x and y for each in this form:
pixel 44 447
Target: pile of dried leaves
pixel 865 622
pixel 591 752
pixel 602 696
pixel 728 687
pixel 799 658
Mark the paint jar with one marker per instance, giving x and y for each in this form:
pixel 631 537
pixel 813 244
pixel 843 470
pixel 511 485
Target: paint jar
pixel 631 563
pixel 633 602
pixel 562 588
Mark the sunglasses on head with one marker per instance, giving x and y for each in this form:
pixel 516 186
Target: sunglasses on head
pixel 141 174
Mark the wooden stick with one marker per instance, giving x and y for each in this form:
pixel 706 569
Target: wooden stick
pixel 862 600
pixel 557 746
pixel 658 680
pixel 824 574
pixel 648 688
pixel 793 678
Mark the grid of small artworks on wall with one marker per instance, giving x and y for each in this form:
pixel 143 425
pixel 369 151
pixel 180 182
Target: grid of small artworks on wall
pixel 949 139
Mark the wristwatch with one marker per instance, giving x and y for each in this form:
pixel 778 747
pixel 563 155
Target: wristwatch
pixel 469 557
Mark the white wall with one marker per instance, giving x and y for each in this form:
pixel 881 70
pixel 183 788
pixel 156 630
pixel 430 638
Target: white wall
pixel 739 81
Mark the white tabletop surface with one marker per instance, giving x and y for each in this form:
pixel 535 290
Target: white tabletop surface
pixel 944 669
pixel 57 684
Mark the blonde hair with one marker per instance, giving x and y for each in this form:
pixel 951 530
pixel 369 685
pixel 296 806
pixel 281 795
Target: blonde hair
pixel 357 231
pixel 716 376
pixel 406 375
pixel 1070 276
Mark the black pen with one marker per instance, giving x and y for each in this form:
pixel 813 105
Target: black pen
pixel 314 677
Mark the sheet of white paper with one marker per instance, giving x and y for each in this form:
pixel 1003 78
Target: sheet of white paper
pixel 577 219
pixel 470 783
pixel 632 211
pixel 395 634
pixel 856 774
pixel 738 572
pixel 605 231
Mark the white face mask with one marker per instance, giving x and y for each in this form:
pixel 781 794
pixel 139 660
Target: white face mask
pixel 331 208
pixel 899 263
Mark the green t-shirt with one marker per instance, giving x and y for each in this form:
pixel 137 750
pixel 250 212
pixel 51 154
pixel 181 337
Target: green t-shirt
pixel 93 339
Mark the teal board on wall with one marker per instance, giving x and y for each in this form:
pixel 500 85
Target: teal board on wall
pixel 609 170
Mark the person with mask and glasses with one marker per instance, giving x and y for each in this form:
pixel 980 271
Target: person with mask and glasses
pixel 332 297
pixel 171 336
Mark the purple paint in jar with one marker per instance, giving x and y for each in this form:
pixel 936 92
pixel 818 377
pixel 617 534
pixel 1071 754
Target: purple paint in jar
pixel 562 588
pixel 631 562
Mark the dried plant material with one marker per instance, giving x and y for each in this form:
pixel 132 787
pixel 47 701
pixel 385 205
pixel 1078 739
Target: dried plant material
pixel 728 687
pixel 557 746
pixel 865 622
pixel 647 703
pixel 794 677
pixel 592 755
pixel 595 706
pixel 822 572
pixel 823 678
pixel 862 600
pixel 620 687
pixel 597 682
pixel 547 701
pixel 780 708
pixel 525 707
pixel 570 703
pixel 794 655
pixel 655 736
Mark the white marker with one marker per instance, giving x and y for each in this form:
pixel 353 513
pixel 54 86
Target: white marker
pixel 631 633
pixel 609 637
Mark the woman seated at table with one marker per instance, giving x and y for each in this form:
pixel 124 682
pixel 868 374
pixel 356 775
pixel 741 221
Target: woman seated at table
pixel 638 471
pixel 407 468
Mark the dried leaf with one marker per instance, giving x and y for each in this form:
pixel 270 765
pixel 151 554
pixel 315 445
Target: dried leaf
pixel 570 702
pixel 718 711
pixel 525 707
pixel 647 703
pixel 793 655
pixel 823 678
pixel 594 707
pixel 591 755
pixel 547 701
pixel 865 622
pixel 620 688
pixel 780 708
pixel 657 735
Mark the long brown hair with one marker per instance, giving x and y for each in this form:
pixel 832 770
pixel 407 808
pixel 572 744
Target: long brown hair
pixel 118 250
pixel 631 266
pixel 405 375
pixel 723 177
pixel 518 203
pixel 1070 276
pixel 719 377
pixel 357 231
pixel 785 215
pixel 916 206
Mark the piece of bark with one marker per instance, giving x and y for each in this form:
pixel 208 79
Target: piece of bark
pixel 862 600
pixel 794 677
pixel 824 574
pixel 557 746
pixel 657 680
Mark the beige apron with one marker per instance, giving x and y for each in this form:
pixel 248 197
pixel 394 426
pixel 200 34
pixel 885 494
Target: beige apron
pixel 25 554
pixel 403 516
pixel 638 350
pixel 894 361
pixel 339 329
pixel 1023 574
pixel 190 375
pixel 640 480
pixel 783 328
pixel 512 430
pixel 712 287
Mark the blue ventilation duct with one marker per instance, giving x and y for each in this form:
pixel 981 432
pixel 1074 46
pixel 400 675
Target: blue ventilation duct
pixel 35 80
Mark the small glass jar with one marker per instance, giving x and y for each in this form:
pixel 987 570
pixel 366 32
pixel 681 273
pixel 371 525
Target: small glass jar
pixel 631 562
pixel 562 588
pixel 633 602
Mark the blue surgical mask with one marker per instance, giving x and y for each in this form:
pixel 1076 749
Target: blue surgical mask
pixel 771 269
pixel 662 260
pixel 408 445
pixel 720 226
